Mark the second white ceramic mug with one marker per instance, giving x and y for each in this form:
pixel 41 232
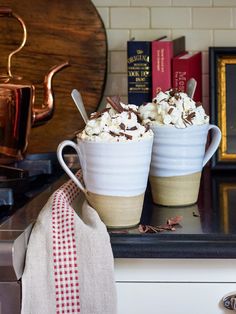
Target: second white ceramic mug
pixel 178 157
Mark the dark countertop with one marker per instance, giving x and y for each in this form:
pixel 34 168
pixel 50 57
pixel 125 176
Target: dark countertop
pixel 207 229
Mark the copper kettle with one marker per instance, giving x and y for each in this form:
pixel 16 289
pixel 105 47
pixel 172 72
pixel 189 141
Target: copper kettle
pixel 17 98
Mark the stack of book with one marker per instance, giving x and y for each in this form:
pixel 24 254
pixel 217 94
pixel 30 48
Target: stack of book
pixel 161 63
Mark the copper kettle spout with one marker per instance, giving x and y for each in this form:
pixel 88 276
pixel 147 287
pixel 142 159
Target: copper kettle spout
pixel 45 113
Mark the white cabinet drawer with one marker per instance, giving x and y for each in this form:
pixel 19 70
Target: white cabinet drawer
pixel 172 297
pixel 177 270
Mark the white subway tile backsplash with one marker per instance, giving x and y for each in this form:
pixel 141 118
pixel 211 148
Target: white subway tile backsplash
pixel 224 3
pixel 234 17
pixel 110 3
pixel 109 62
pixel 149 34
pixel 205 62
pixel 117 39
pixel 205 85
pixel 192 3
pixel 206 105
pixel 212 18
pixel 196 39
pixel 118 62
pixel 116 84
pixel 149 3
pixel 129 17
pixel 203 22
pixel 104 13
pixel 225 38
pixel 171 17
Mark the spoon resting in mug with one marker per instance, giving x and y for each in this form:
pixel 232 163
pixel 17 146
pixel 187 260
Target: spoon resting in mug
pixel 191 87
pixel 76 96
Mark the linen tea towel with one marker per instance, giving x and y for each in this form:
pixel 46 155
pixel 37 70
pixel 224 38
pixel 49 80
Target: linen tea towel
pixel 69 261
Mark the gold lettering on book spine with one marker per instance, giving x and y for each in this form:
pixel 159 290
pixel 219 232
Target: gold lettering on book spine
pixel 139 71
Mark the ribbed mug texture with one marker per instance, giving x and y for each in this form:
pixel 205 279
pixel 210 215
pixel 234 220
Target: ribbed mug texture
pixel 115 177
pixel 178 156
pixel 117 168
pixel 178 152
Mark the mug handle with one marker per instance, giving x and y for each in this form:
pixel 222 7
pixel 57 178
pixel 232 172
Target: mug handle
pixel 215 141
pixel 60 148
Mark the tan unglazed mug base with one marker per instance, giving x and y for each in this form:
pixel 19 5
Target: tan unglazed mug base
pixel 176 190
pixel 117 211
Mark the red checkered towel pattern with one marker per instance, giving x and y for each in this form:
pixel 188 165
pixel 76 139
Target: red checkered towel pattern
pixel 64 250
pixel 69 265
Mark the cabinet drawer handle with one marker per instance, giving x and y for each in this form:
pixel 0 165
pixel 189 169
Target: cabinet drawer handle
pixel 229 302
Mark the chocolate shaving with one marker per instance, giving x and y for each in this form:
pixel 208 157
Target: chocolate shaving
pixel 130 110
pixel 113 134
pixel 170 110
pixel 115 103
pixel 122 126
pixel 139 118
pixel 177 96
pixel 147 127
pixel 129 137
pixel 98 114
pixel 173 92
pixel 134 111
pixel 133 128
pixel 186 121
pixel 169 226
pixel 191 116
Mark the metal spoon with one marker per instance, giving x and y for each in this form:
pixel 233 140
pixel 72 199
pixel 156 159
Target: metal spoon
pixel 76 96
pixel 191 87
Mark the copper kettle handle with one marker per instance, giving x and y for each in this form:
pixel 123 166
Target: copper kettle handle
pixel 7 12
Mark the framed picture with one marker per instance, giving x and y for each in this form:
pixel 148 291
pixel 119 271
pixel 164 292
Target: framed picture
pixel 222 64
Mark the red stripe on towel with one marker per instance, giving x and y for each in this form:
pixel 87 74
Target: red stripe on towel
pixel 64 249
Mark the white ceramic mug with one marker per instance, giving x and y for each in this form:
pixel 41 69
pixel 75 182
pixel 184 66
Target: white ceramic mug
pixel 178 157
pixel 115 177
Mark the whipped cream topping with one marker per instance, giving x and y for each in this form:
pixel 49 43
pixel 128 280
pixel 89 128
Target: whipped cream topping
pixel 117 122
pixel 173 108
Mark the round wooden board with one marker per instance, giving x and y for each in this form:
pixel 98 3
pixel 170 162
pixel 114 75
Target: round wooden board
pixel 58 31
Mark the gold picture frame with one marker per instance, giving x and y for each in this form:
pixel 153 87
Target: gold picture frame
pixel 222 63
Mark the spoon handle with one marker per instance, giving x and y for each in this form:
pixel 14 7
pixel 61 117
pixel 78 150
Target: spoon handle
pixel 76 96
pixel 191 87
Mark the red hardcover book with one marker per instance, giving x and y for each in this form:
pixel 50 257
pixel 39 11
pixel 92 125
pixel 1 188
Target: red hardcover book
pixel 185 67
pixel 163 52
